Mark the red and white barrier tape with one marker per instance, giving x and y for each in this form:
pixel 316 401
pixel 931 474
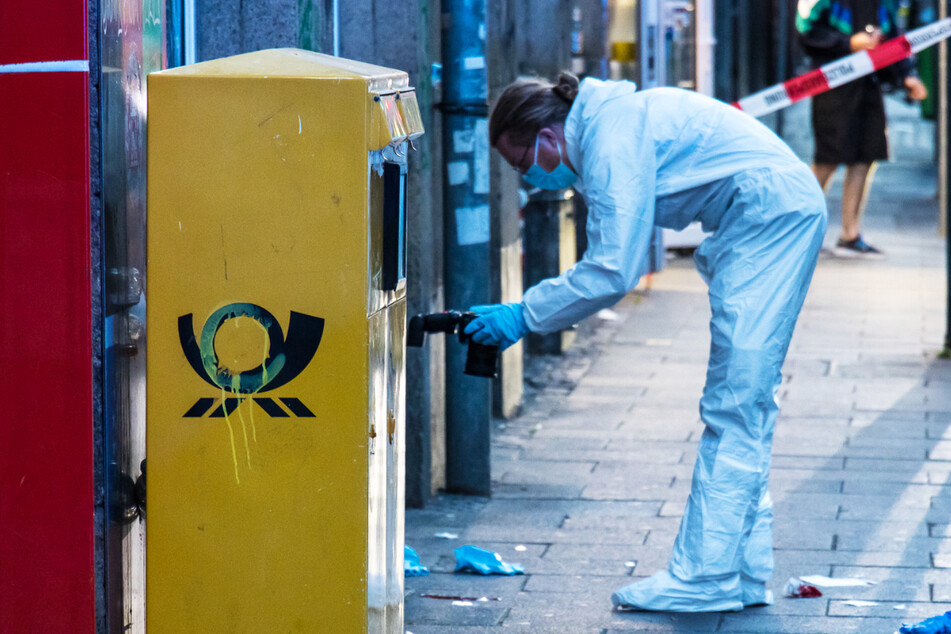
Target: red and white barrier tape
pixel 844 70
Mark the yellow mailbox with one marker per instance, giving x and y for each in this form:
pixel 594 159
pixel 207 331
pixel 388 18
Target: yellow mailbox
pixel 276 318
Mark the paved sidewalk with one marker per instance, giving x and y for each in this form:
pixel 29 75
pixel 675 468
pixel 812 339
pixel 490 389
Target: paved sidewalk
pixel 591 480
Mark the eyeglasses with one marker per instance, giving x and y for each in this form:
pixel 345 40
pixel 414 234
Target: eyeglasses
pixel 518 166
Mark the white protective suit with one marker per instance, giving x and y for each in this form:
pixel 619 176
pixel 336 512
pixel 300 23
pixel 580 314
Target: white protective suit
pixel 668 157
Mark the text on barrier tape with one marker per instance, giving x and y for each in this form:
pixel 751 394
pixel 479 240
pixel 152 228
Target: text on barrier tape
pixel 844 70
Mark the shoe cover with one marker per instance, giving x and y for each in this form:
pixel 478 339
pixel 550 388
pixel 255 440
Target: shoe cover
pixel 755 593
pixel 666 593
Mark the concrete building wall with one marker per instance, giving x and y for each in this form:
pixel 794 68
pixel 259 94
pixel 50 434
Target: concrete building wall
pixel 594 32
pixel 230 27
pixel 543 32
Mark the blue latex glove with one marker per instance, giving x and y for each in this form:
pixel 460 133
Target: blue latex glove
pixel 497 324
pixel 411 565
pixel 484 562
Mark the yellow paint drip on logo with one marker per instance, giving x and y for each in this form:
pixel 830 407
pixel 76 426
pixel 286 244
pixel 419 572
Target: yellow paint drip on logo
pixel 230 348
pixel 234 453
pixel 235 384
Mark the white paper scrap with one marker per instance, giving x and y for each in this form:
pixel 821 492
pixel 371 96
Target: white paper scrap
pixel 860 604
pixel 464 604
pixel 829 582
pixel 447 535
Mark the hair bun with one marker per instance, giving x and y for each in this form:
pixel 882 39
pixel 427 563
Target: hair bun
pixel 567 87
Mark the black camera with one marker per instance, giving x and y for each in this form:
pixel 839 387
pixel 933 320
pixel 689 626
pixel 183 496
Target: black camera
pixel 481 360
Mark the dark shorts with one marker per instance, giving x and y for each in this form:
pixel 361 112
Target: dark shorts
pixel 849 124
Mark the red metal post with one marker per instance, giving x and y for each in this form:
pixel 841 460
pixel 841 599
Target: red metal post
pixel 46 426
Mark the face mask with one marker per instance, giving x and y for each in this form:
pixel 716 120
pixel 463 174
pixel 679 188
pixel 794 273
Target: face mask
pixel 559 178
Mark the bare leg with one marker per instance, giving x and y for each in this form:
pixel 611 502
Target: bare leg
pixel 854 195
pixel 823 172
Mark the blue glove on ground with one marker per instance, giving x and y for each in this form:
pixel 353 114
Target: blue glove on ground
pixel 497 324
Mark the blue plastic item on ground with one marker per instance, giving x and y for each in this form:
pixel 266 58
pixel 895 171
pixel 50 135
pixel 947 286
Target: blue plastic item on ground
pixel 484 562
pixel 940 624
pixel 411 565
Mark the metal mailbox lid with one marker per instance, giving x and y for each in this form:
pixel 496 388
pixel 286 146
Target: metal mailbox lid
pixel 292 62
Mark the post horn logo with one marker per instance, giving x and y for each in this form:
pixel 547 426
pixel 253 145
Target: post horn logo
pixel 283 359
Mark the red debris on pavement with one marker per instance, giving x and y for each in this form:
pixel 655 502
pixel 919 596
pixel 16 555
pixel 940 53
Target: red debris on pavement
pixel 797 589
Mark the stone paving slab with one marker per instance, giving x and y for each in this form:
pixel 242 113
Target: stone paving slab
pixel 532 471
pixel 609 422
pixel 913 611
pixel 940 530
pixel 577 585
pixel 781 461
pixel 813 559
pixel 917 577
pixel 938 431
pixel 631 491
pixel 543 609
pixel 514 629
pixel 420 610
pixel 566 565
pixel 561 450
pixel 501 490
pixel 599 536
pixel 466 585
pixel 809 625
pixel 893 488
pixel 646 622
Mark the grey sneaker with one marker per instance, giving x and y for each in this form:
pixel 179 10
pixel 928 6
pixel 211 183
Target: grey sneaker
pixel 857 248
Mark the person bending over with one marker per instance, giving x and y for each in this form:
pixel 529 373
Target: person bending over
pixel 668 157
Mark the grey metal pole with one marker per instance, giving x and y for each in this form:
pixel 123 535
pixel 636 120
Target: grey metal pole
pixel 945 123
pixel 468 234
